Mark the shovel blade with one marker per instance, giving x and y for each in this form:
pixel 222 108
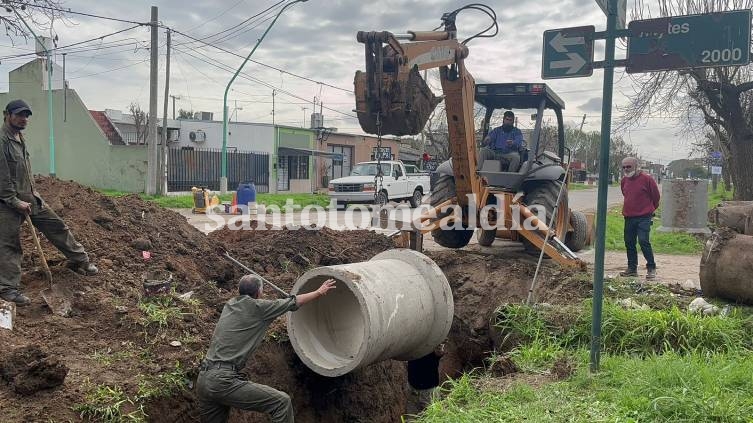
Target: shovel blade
pixel 58 298
pixel 7 314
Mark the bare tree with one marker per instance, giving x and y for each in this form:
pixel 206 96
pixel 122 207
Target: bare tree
pixel 39 14
pixel 718 98
pixel 140 121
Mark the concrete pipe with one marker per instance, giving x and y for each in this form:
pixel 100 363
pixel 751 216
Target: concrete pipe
pixel 398 305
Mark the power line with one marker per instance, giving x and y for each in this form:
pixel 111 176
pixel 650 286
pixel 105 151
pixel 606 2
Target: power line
pixel 258 81
pixel 234 26
pixel 101 37
pixel 262 64
pixel 56 9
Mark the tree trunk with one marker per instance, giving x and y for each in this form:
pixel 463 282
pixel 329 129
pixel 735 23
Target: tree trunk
pixel 726 178
pixel 741 149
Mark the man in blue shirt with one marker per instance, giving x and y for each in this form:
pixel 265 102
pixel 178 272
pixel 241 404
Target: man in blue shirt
pixel 503 143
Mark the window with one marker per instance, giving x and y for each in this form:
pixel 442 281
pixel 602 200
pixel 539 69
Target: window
pixel 397 172
pixel 298 166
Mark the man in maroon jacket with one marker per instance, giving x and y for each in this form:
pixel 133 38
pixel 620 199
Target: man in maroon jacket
pixel 641 200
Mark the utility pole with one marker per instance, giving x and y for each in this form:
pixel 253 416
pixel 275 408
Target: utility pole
pixel 174 97
pixel 48 54
pixel 65 93
pixel 580 133
pixel 273 106
pixel 223 174
pixel 152 150
pixel 163 162
pixel 304 116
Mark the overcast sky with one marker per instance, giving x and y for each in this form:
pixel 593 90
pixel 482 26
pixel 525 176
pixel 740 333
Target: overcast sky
pixel 316 40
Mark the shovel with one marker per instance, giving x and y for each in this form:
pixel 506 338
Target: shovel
pixel 58 298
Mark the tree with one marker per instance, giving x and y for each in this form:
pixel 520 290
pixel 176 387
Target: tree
pixel 185 114
pixel 140 121
pixel 719 98
pixel 39 14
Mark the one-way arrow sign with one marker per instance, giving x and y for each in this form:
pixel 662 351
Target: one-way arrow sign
pixel 568 53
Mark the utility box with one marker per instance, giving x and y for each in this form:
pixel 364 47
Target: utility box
pixel 684 206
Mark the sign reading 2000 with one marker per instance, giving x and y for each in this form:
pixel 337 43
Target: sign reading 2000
pixel 691 41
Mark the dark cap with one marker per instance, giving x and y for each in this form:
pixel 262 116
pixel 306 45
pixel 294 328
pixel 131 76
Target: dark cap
pixel 17 106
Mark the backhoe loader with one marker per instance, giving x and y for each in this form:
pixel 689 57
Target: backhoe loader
pixel 392 98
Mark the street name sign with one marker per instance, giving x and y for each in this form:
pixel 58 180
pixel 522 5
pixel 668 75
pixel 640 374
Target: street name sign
pixel 690 41
pixel 568 53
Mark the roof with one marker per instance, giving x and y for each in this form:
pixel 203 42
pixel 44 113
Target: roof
pixel 518 95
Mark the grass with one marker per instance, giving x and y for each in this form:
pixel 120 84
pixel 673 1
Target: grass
pixel 658 388
pixel 721 194
pixel 108 404
pixel 163 385
pixel 662 365
pixel 662 242
pixel 160 311
pixel 186 201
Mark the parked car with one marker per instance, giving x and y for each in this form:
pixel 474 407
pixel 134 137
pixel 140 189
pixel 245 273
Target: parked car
pixel 401 182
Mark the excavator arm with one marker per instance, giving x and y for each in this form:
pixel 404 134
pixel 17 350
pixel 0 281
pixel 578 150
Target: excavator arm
pixel 393 99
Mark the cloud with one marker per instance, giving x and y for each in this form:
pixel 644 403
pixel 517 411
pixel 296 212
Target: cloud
pixel 592 105
pixel 315 39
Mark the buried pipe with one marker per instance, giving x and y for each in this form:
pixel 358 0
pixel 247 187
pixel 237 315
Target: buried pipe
pixel 398 305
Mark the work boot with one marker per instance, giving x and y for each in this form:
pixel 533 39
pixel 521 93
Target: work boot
pixel 83 268
pixel 651 274
pixel 16 297
pixel 629 273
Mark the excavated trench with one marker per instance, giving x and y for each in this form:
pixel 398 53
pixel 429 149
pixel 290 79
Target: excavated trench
pixel 106 342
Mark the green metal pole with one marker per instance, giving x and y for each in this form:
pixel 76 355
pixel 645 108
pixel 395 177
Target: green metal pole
pixel 49 90
pixel 223 178
pixel 601 210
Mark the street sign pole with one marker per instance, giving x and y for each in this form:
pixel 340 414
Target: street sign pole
pixel 601 202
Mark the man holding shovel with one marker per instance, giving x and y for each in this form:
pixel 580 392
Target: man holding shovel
pixel 241 329
pixel 19 199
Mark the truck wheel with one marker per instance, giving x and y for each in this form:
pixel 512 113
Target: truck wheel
pixel 576 240
pixel 381 198
pixel 450 238
pixel 486 237
pixel 542 194
pixel 415 200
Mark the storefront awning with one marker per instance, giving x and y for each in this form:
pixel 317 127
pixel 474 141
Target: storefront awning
pixel 290 151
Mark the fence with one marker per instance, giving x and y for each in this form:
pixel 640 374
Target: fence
pixel 193 167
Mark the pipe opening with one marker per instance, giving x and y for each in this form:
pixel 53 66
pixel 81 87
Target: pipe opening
pixel 331 329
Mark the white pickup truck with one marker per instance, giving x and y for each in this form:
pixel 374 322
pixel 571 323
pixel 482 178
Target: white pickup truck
pixel 401 182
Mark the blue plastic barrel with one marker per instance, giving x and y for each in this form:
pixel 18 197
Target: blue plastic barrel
pixel 246 193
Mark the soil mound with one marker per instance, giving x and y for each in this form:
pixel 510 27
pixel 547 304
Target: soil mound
pixel 29 370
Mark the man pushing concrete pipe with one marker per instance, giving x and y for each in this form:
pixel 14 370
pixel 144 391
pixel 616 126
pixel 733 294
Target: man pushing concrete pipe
pixel 398 305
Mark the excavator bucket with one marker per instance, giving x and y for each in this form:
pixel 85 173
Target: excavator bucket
pixel 403 102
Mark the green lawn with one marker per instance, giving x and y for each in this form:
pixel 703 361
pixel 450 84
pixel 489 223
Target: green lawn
pixel 185 201
pixel 720 195
pixel 658 365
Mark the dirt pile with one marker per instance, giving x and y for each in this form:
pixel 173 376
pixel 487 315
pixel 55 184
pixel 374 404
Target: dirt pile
pixel 136 350
pixel 29 370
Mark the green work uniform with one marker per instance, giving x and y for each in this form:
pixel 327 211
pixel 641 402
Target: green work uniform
pixel 16 185
pixel 220 386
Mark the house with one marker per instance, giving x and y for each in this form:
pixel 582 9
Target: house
pixel 79 146
pixel 338 152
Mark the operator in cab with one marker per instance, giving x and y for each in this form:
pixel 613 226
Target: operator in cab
pixel 503 143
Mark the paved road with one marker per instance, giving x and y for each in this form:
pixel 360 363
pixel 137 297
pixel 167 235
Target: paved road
pixel 585 200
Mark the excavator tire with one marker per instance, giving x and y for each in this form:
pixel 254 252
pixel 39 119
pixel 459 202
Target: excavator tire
pixel 443 190
pixel 486 237
pixel 541 193
pixel 576 240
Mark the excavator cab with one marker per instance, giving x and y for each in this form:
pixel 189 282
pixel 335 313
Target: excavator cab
pixel 537 164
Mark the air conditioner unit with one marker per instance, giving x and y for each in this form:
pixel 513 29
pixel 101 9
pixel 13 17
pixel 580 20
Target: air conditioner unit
pixel 197 136
pixel 203 116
